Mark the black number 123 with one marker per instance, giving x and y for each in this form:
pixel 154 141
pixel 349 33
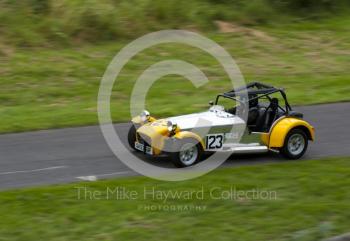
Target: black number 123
pixel 214 141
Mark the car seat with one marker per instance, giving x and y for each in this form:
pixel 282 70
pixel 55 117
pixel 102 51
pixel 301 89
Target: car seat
pixel 267 116
pixel 253 113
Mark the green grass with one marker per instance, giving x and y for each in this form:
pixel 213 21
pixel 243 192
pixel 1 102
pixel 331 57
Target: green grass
pixel 312 203
pixel 54 53
pixel 34 23
pixel 50 88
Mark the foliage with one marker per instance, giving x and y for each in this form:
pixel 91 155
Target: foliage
pixel 33 23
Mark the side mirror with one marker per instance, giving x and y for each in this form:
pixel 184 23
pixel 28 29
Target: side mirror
pixel 211 103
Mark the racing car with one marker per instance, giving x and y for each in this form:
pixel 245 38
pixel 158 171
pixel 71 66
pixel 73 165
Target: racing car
pixel 270 125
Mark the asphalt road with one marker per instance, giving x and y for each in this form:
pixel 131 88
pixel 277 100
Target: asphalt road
pixel 73 154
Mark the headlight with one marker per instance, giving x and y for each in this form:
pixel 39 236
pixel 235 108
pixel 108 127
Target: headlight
pixel 171 126
pixel 144 116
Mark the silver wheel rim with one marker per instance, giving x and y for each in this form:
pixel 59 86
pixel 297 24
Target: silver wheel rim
pixel 296 144
pixel 188 154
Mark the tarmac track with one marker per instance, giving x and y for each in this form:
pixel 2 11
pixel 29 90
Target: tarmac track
pixel 73 154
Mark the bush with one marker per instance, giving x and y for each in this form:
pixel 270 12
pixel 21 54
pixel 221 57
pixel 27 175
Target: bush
pixel 258 12
pixel 305 6
pixel 40 6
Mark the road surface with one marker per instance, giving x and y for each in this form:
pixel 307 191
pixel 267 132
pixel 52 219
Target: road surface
pixel 73 154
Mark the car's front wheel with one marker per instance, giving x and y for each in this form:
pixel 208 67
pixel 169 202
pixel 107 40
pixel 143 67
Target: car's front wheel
pixel 295 144
pixel 186 153
pixel 132 136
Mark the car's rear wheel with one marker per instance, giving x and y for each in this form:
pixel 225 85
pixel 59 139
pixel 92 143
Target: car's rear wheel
pixel 187 153
pixel 132 137
pixel 295 144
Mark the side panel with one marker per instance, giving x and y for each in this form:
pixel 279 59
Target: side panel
pixel 280 130
pixel 254 137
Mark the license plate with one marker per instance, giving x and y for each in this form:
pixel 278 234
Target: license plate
pixel 141 147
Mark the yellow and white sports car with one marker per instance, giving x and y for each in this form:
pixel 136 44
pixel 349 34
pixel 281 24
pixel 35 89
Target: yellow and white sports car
pixel 267 126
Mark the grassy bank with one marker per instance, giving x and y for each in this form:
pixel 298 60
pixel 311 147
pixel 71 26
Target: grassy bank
pixel 46 88
pixel 48 23
pixel 312 203
pixel 54 53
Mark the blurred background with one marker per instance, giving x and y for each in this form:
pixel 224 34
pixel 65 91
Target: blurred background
pixel 54 53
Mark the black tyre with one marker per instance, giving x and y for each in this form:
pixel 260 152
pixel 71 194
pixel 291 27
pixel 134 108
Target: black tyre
pixel 187 153
pixel 295 144
pixel 132 137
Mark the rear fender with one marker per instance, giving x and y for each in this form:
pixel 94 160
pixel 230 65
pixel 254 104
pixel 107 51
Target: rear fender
pixel 280 130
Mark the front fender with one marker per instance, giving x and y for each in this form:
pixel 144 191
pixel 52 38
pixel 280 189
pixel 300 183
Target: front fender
pixel 188 134
pixel 280 130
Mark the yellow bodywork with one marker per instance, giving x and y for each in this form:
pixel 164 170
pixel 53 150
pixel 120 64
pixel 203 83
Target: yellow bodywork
pixel 265 137
pixel 158 132
pixel 280 129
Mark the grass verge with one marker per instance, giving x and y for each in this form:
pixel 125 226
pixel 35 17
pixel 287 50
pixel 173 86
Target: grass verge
pixel 312 203
pixel 49 88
